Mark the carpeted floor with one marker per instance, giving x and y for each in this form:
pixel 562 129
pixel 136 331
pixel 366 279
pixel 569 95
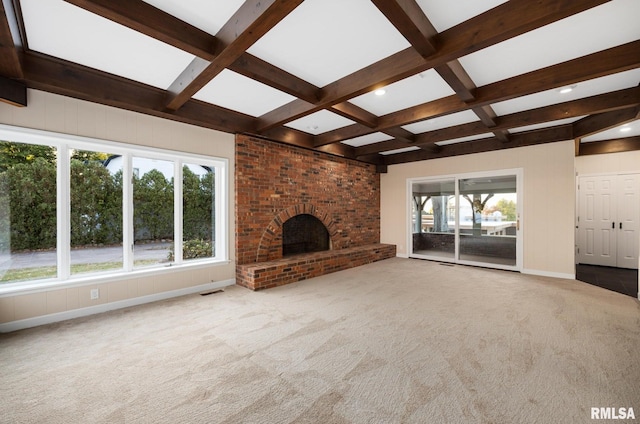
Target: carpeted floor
pixel 397 341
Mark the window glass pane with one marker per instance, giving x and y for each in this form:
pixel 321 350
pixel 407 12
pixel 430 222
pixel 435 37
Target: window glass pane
pixel 434 218
pixel 488 219
pixel 198 200
pixel 153 224
pixel 27 212
pixel 96 211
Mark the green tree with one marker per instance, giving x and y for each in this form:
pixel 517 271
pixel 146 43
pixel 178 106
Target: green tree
pixel 506 207
pixel 15 153
pixel 89 156
pixel 96 204
pixel 32 204
pixel 153 206
pixel 197 201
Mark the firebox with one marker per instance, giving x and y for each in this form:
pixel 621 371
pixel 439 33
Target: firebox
pixel 303 234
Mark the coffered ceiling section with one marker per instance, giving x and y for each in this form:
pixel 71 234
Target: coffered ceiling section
pixel 382 81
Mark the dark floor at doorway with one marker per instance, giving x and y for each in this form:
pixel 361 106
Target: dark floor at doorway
pixel 620 280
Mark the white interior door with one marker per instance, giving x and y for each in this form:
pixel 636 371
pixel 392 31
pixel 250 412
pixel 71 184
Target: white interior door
pixel 628 225
pixel 608 215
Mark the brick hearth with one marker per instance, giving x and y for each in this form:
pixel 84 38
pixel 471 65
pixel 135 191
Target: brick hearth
pixel 275 182
pixel 265 275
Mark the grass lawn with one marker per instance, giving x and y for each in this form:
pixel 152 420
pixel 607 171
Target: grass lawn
pixel 35 273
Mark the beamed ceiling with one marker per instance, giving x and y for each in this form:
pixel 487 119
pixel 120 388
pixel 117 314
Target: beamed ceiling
pixel 459 77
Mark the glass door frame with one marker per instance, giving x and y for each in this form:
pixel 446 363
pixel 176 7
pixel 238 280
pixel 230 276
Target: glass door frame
pixel 517 172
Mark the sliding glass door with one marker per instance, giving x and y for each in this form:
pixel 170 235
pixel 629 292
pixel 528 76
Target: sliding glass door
pixel 471 219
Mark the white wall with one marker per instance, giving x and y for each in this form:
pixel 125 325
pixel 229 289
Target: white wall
pixel 610 163
pixel 548 200
pixel 61 114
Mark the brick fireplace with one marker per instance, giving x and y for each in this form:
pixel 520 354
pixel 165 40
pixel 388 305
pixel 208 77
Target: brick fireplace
pixel 280 186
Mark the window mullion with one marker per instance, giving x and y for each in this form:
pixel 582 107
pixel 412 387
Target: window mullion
pixel 178 211
pixel 63 213
pixel 127 212
pixel 221 218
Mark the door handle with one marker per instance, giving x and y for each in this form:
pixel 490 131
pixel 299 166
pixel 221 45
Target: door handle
pixel 621 225
pixel 613 225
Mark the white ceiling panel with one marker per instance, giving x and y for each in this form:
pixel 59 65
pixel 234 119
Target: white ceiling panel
pixel 442 122
pixel 60 29
pixel 207 15
pixel 236 92
pixel 561 41
pixel 632 129
pixel 412 91
pixel 444 15
pixel 367 139
pixel 403 150
pixel 324 40
pixel 545 125
pixel 464 139
pixel 584 89
pixel 320 122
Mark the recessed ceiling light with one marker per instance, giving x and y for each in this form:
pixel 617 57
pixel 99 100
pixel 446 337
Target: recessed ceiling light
pixel 380 92
pixel 312 127
pixel 625 128
pixel 566 90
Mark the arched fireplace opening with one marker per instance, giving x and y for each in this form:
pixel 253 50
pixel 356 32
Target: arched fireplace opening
pixel 303 234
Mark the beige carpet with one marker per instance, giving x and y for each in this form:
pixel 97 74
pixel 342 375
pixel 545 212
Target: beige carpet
pixel 392 342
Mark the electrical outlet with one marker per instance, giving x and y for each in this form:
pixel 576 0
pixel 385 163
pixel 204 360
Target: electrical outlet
pixel 95 294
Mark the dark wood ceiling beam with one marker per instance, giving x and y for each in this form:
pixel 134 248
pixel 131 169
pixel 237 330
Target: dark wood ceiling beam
pixel 460 81
pixel 250 22
pixel 489 118
pixel 603 121
pixel 610 146
pixel 342 150
pixel 510 19
pixel 171 30
pixel 288 136
pixel 400 134
pixel 411 22
pixel 456 76
pixel 547 135
pixel 606 62
pixel 620 99
pixel 13 92
pixel 149 20
pixel 54 75
pixel 382 146
pixel 266 73
pixel 384 72
pixel 11 44
pixel 355 113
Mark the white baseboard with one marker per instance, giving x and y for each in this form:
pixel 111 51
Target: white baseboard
pixel 402 255
pixel 549 274
pixel 105 307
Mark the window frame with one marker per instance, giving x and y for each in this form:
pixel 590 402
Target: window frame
pixel 64 144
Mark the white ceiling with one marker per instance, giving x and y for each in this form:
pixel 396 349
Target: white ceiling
pixel 322 41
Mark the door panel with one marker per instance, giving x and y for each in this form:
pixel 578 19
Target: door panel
pixel 628 224
pixel 595 236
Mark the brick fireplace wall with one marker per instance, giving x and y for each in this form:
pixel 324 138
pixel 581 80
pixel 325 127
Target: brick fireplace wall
pixel 275 182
